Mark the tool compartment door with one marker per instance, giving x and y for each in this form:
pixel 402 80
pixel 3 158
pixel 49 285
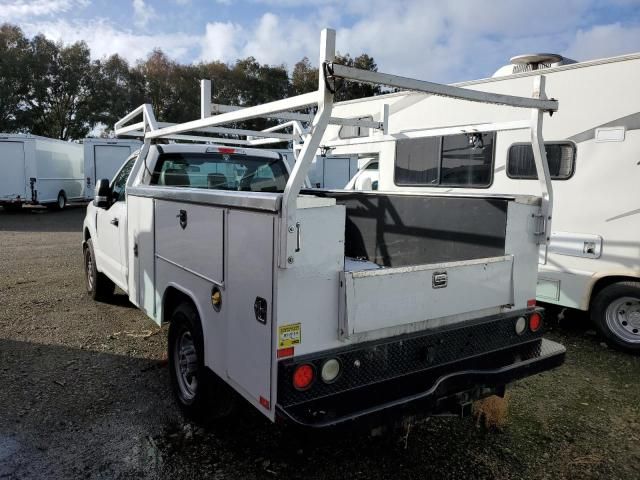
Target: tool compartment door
pixel 393 297
pixel 248 302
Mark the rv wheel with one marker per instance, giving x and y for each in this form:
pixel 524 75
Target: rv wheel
pixel 201 395
pixel 99 287
pixel 616 313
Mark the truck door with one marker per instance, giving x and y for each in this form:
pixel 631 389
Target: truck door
pixel 12 178
pixel 248 290
pixel 111 231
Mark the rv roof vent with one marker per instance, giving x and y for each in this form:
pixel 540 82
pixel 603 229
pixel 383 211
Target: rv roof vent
pixel 532 61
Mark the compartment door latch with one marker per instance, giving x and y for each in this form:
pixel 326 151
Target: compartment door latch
pixel 260 309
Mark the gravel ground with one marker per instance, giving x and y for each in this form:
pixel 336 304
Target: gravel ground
pixel 84 394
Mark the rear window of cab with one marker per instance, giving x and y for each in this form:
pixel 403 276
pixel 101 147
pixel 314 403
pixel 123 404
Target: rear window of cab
pixel 220 171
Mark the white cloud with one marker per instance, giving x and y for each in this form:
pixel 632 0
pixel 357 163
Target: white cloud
pixel 15 10
pixel 604 41
pixel 429 39
pixel 221 41
pixel 143 13
pixel 105 39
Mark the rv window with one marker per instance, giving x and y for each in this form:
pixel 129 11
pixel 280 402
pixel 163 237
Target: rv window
pixel 217 171
pixel 349 131
pixel 560 157
pixel 464 160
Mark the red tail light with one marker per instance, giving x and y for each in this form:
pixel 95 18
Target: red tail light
pixel 535 322
pixel 226 150
pixel 303 376
pixel 531 303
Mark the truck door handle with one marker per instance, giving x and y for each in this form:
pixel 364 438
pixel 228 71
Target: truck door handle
pixel 114 221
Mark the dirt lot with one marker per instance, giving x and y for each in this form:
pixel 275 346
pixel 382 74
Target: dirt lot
pixel 84 394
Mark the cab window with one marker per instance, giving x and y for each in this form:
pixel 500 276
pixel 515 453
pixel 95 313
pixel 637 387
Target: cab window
pixel 220 171
pixel 120 182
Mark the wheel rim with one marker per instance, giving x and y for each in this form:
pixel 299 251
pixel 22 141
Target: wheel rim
pixel 60 201
pixel 88 264
pixel 623 318
pixel 186 365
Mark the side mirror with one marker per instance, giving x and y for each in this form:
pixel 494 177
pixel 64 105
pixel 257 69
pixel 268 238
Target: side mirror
pixel 102 196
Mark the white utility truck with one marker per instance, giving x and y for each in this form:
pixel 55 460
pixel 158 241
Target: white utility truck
pixel 321 306
pixel 593 148
pixel 39 170
pixel 103 157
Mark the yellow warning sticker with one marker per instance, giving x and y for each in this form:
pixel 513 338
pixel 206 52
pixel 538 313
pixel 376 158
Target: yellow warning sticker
pixel 289 335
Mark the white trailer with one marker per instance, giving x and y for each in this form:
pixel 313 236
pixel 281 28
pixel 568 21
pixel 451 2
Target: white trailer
pixel 593 146
pixel 103 157
pixel 39 170
pixel 319 307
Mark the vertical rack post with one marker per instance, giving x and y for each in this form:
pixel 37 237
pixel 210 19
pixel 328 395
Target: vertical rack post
pixel 205 98
pixel 542 168
pixel 289 227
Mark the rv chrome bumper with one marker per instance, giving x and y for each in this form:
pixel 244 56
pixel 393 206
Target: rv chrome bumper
pixel 443 389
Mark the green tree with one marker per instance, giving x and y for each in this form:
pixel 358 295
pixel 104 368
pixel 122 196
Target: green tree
pixel 304 77
pixel 14 78
pixel 60 98
pixel 117 89
pixel 348 90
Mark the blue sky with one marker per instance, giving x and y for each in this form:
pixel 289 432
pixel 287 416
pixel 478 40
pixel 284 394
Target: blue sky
pixel 435 40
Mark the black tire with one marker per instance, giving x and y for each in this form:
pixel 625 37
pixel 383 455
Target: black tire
pixel 201 395
pixel 615 311
pixel 60 203
pixel 99 286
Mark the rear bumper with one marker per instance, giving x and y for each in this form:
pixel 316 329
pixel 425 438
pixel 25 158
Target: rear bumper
pixel 441 389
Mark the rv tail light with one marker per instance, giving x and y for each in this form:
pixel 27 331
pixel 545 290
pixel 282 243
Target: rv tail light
pixel 303 376
pixel 521 325
pixel 531 303
pixel 330 370
pixel 535 322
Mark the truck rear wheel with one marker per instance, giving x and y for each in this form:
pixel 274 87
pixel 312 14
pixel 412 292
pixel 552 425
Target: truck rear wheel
pixel 616 312
pixel 201 395
pixel 99 286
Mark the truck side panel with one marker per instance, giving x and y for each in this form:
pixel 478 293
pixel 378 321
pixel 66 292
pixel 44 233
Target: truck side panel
pixel 248 304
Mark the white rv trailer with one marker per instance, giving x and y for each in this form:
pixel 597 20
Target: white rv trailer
pixel 39 170
pixel 593 146
pixel 319 307
pixel 103 157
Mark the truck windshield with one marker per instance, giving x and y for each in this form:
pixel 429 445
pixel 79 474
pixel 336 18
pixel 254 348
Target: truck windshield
pixel 220 171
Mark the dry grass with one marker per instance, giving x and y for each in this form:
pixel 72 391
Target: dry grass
pixel 491 412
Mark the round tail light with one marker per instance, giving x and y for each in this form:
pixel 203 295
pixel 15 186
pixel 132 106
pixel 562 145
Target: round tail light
pixel 521 325
pixel 535 322
pixel 330 370
pixel 303 376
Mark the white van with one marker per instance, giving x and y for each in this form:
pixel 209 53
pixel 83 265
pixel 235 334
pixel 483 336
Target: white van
pixel 39 170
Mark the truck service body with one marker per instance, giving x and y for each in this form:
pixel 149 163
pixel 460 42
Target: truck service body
pixel 593 145
pixel 319 306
